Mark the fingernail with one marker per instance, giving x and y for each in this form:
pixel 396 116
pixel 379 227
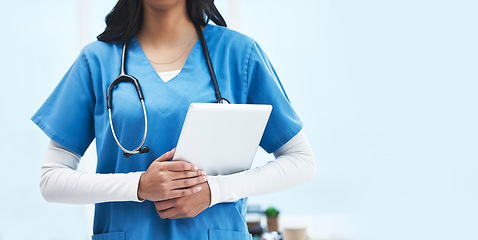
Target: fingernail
pixel 197 189
pixel 204 178
pixel 195 168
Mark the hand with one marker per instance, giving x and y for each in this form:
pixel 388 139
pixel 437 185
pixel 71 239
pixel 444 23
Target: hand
pixel 185 207
pixel 167 179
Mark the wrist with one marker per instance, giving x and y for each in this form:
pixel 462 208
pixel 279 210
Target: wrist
pixel 213 190
pixel 139 193
pixel 208 188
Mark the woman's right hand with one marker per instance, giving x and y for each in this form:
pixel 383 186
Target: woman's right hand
pixel 167 179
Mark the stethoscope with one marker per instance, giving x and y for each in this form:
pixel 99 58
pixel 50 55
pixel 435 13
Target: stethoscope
pixel 124 77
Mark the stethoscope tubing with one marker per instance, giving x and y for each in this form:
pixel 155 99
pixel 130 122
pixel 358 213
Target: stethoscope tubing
pixel 123 77
pixel 137 149
pixel 212 73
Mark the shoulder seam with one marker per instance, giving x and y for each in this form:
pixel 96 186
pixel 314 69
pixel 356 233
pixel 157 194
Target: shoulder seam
pixel 247 80
pixel 89 72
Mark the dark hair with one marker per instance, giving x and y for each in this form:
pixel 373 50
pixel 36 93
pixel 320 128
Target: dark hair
pixel 126 18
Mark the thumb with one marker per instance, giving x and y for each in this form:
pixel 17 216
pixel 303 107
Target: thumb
pixel 167 156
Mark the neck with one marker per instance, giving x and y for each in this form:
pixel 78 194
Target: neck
pixel 166 26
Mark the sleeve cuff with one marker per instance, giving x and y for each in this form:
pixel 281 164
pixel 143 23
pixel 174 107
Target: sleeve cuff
pixel 214 189
pixel 133 185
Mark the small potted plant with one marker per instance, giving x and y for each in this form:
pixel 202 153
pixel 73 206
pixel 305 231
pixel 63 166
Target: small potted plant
pixel 272 215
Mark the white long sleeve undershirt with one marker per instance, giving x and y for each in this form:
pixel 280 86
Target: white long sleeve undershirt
pixel 61 182
pixel 294 164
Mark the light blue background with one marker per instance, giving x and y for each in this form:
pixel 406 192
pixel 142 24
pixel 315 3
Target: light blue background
pixel 387 91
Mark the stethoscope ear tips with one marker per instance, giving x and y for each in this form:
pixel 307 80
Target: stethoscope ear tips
pixel 144 149
pixel 223 100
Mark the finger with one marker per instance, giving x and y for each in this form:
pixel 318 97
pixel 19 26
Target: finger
pixel 166 156
pixel 184 192
pixel 187 174
pixel 175 213
pixel 170 213
pixel 164 205
pixel 179 166
pixel 188 182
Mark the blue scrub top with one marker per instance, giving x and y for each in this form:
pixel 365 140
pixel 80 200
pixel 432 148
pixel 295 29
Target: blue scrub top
pixel 75 114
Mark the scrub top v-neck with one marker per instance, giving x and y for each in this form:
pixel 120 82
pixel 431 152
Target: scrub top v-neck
pixel 75 114
pixel 193 51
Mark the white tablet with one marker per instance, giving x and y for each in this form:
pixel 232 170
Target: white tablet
pixel 222 138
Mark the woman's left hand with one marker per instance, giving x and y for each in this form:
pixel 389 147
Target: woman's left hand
pixel 185 207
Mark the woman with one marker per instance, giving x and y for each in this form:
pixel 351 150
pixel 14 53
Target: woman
pixel 146 196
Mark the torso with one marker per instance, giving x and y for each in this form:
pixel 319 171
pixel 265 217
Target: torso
pixel 166 106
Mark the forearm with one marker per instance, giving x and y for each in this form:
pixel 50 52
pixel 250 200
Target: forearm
pixel 61 182
pixel 294 164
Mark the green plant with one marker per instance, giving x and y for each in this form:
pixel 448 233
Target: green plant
pixel 271 212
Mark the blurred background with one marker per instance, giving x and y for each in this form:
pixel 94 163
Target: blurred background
pixel 387 91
